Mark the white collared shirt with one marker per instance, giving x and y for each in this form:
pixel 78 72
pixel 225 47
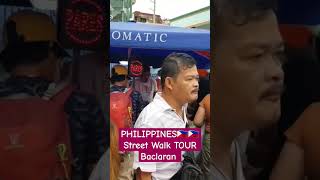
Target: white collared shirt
pixel 159 114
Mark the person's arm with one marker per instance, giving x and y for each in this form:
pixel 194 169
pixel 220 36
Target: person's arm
pixel 200 116
pixel 290 165
pixel 144 176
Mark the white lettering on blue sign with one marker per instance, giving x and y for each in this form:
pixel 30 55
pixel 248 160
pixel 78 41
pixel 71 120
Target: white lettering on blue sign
pixel 155 37
pixel 138 36
pixel 147 34
pixel 113 35
pixel 127 36
pixel 162 36
pixel 146 37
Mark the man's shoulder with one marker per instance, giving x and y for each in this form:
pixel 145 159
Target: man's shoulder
pixel 151 109
pixel 151 115
pixel 312 111
pixel 156 106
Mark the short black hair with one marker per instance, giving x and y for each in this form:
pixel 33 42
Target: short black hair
pixel 174 63
pixel 117 78
pixel 239 12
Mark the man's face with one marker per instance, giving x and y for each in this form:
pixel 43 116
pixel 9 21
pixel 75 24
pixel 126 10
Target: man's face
pixel 186 85
pixel 248 74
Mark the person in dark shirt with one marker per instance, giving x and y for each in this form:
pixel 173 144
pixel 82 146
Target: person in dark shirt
pixel 33 58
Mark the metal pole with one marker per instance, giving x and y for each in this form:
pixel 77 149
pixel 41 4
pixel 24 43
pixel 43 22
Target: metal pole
pixel 130 8
pixel 122 12
pixel 154 11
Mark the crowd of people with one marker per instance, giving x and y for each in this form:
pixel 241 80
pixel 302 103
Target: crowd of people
pixel 263 124
pixel 265 94
pixel 180 89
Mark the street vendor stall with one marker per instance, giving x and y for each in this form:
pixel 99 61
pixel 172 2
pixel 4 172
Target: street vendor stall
pixel 152 43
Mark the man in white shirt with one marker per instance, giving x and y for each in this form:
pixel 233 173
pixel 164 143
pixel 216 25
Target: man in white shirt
pixel 179 81
pixel 146 85
pixel 247 78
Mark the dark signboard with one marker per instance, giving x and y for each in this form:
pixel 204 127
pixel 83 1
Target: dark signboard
pixel 82 24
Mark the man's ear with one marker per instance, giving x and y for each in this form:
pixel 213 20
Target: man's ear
pixel 169 82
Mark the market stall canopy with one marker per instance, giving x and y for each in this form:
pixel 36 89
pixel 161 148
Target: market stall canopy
pixel 150 36
pixel 151 43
